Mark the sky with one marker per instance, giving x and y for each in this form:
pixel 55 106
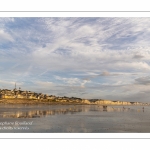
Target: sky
pixel 104 58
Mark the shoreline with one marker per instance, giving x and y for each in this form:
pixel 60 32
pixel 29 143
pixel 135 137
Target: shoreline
pixel 46 102
pixel 27 97
pixel 32 102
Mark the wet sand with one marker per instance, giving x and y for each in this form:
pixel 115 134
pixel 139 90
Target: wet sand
pixel 74 119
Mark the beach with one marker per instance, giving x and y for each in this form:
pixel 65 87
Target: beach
pixel 22 118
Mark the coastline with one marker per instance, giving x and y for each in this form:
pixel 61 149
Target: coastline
pixel 16 101
pixel 27 97
pixel 32 102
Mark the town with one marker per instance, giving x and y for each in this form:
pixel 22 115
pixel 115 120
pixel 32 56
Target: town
pixel 6 94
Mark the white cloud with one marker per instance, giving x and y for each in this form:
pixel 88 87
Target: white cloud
pixel 82 53
pixel 91 52
pixel 84 82
pixel 44 84
pixel 68 80
pixel 4 37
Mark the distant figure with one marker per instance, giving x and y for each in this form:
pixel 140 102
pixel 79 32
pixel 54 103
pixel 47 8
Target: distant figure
pixel 143 107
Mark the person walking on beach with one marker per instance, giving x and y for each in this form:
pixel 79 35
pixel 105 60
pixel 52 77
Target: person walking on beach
pixel 143 109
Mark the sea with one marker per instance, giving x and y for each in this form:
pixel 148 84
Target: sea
pixel 20 118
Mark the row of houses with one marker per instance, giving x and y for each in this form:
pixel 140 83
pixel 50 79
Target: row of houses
pixel 11 94
pixel 6 94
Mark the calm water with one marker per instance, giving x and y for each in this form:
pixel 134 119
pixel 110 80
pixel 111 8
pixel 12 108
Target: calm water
pixel 74 119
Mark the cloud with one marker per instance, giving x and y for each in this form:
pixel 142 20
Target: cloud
pixel 138 56
pixel 143 80
pixel 106 73
pixel 73 81
pixel 68 80
pixel 44 84
pixel 5 37
pixel 84 82
pixel 77 55
pixel 7 84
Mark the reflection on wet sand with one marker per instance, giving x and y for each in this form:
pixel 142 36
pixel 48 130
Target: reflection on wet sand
pixel 37 113
pixel 64 111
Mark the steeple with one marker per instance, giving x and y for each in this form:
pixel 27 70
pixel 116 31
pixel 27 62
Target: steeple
pixel 15 85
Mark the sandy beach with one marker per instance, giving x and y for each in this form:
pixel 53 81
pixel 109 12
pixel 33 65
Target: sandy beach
pixel 31 101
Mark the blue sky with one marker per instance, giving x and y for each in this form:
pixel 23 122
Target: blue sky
pixel 104 58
